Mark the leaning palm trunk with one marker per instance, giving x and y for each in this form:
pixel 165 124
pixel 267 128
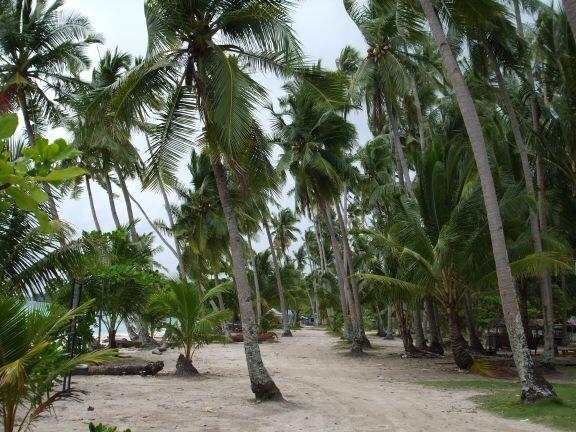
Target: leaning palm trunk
pixel 110 193
pixel 343 282
pixel 262 384
pixel 475 343
pixel 435 336
pixel 404 174
pixel 570 8
pixel 379 321
pixel 462 357
pixel 534 387
pixel 353 281
pixel 418 105
pixel 547 357
pixel 127 201
pixel 92 207
pixel 256 281
pixel 285 321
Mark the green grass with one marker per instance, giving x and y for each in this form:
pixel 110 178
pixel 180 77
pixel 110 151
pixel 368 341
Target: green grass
pixel 559 413
pixel 472 384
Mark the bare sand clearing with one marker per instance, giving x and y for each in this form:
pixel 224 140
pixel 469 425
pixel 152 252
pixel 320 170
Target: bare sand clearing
pixel 326 390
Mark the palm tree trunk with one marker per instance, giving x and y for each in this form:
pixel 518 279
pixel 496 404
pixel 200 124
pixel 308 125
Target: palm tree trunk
pixel 351 271
pixel 390 323
pixel 285 321
pixel 547 356
pixel 111 201
pixel 256 282
pixel 404 173
pixel 462 357
pixel 402 317
pixel 128 203
pixel 221 306
pixel 262 384
pixel 435 336
pixel 343 281
pixel 419 329
pixel 379 322
pixel 421 132
pixel 534 387
pixel 321 251
pixel 570 8
pixel 91 199
pixel 475 343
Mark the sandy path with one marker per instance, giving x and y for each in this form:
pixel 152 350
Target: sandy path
pixel 326 389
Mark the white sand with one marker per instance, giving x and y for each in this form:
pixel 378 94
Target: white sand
pixel 326 390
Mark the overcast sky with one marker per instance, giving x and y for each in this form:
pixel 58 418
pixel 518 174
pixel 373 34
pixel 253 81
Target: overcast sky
pixel 323 28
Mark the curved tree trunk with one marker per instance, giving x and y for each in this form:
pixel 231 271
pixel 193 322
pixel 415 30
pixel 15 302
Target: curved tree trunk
pixel 475 343
pixel 262 384
pixel 127 201
pixel 402 317
pixel 379 322
pixel 534 387
pixel 256 281
pixel 547 356
pixel 462 357
pixel 343 280
pixel 321 251
pixel 92 207
pixel 110 193
pixel 404 173
pixel 421 133
pixel 285 320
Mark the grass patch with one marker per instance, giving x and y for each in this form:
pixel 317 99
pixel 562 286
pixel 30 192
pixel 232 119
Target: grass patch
pixel 471 384
pixel 567 370
pixel 559 413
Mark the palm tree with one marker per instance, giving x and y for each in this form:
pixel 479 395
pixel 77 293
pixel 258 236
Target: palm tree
pixel 533 386
pixel 285 230
pixel 41 46
pixel 192 329
pixel 32 359
pixel 570 9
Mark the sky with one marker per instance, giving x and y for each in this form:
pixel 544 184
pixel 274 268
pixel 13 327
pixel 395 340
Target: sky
pixel 323 28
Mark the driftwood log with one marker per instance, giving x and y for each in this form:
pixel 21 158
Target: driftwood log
pixel 130 366
pixel 239 337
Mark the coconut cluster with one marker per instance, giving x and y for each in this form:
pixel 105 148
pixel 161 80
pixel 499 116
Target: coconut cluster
pixel 377 52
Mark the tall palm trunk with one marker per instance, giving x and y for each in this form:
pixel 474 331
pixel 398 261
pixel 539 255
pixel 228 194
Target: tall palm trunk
pixel 321 251
pixel 127 201
pixel 418 105
pixel 92 207
pixel 547 356
pixel 570 8
pixel 435 336
pixel 262 384
pixel 419 329
pixel 390 322
pixel 534 387
pixel 343 281
pixel 404 173
pixel 379 322
pixel 256 282
pixel 221 306
pixel 462 357
pixel 285 320
pixel 403 320
pixel 110 193
pixel 353 281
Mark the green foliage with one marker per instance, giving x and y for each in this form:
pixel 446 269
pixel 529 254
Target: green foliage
pixel 32 360
pixel 558 413
pixel 192 329
pixel 22 171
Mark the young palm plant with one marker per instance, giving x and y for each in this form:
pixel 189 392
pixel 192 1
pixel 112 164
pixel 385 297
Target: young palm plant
pixel 192 329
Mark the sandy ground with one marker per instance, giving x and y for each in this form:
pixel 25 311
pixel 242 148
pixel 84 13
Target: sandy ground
pixel 326 390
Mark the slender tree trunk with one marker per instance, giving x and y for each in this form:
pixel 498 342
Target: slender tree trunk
pixel 534 387
pixel 475 343
pixel 262 384
pixel 402 317
pixel 256 282
pixel 379 322
pixel 390 323
pixel 351 271
pixel 342 280
pixel 418 329
pixel 321 251
pixel 421 130
pixel 547 356
pixel 111 201
pixel 129 211
pixel 404 175
pixel 91 199
pixel 462 357
pixel 111 337
pixel 99 328
pixel 570 8
pixel 523 306
pixel 285 321
pixel 222 307
pixel 435 336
